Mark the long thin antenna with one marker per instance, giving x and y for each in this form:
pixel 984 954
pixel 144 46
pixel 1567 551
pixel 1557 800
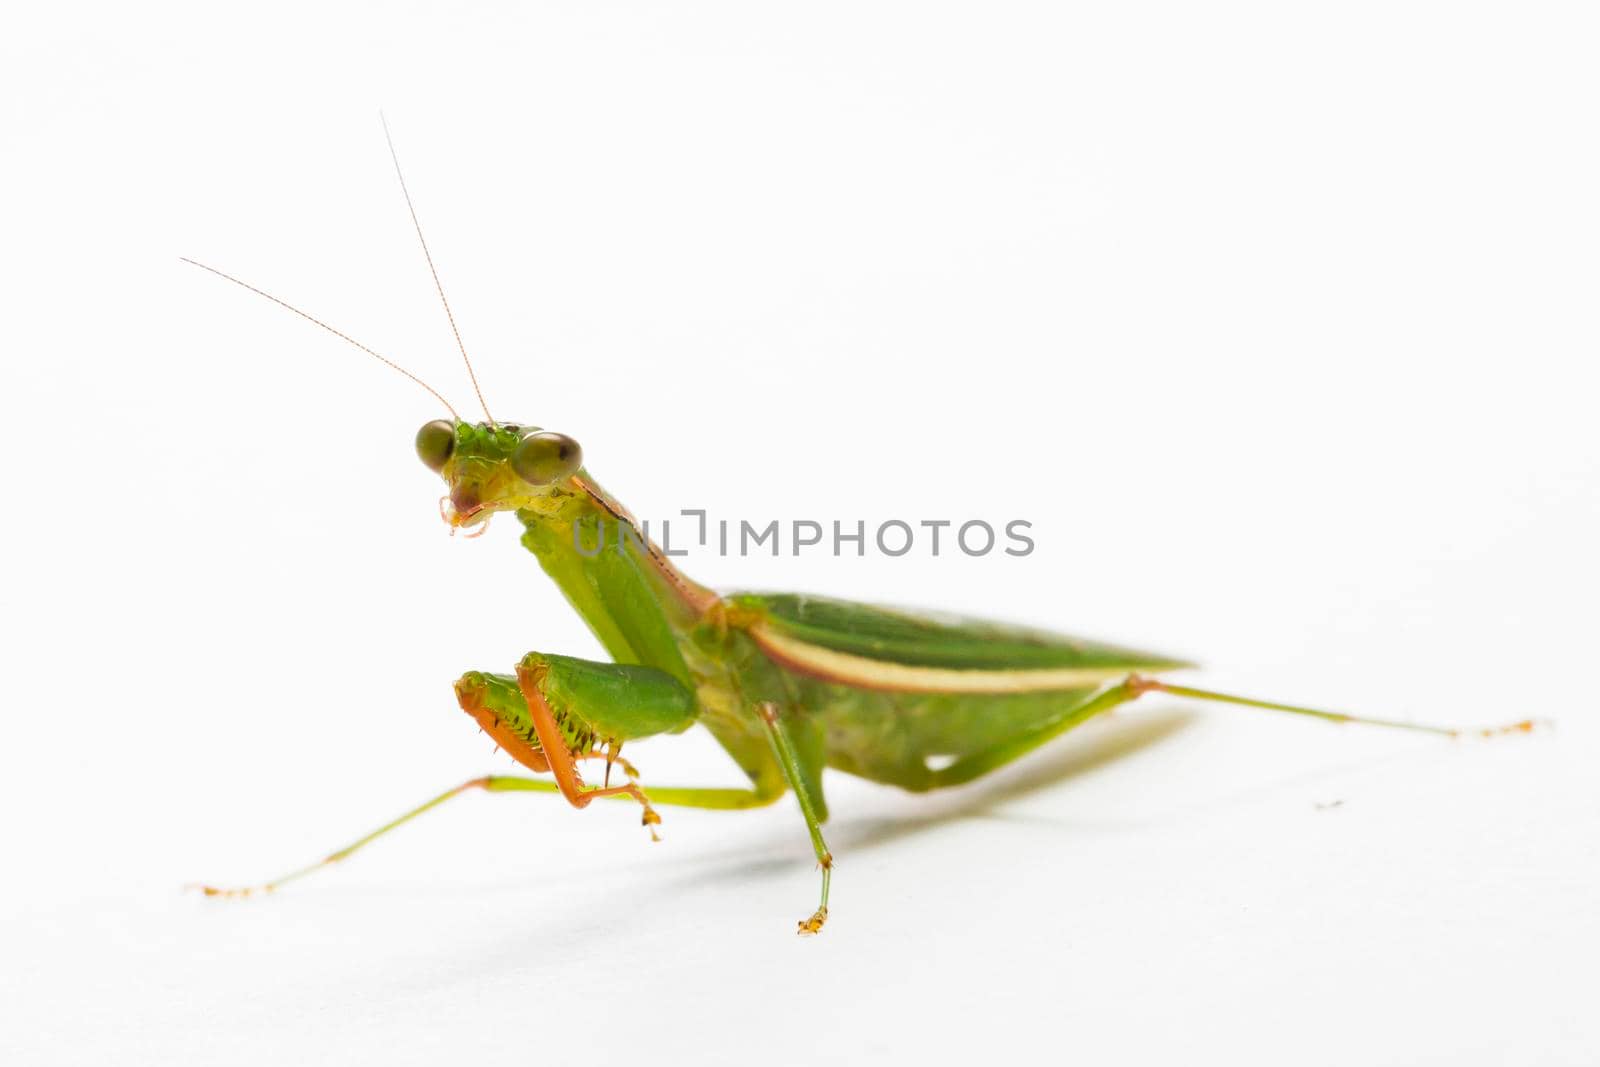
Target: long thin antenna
pixel 434 270
pixel 342 336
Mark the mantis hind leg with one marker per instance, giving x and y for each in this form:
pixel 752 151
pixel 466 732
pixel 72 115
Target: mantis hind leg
pixel 1135 686
pixel 716 799
pixel 980 763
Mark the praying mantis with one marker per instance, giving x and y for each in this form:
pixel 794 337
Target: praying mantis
pixel 787 684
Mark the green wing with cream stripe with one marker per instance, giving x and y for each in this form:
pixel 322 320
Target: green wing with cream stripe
pixel 895 649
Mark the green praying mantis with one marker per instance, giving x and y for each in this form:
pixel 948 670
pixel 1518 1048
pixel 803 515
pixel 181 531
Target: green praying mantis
pixel 787 684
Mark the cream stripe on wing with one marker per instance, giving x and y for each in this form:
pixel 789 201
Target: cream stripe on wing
pixel 868 673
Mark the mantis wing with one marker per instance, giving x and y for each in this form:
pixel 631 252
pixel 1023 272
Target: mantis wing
pixel 791 623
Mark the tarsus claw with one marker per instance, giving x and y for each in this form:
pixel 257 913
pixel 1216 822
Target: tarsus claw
pixel 813 926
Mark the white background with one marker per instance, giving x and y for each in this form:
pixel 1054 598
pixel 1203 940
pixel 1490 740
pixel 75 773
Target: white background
pixel 1278 325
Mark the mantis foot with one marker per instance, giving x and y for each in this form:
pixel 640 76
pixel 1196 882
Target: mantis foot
pixel 240 893
pixel 813 926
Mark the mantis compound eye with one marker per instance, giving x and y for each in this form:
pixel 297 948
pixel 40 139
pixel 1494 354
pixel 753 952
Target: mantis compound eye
pixel 435 441
pixel 544 458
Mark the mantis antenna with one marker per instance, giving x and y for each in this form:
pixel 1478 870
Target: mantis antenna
pixel 316 321
pixel 472 374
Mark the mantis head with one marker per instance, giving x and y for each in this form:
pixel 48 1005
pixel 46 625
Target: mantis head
pixel 490 467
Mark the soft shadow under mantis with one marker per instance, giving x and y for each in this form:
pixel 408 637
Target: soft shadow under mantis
pixel 1086 750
